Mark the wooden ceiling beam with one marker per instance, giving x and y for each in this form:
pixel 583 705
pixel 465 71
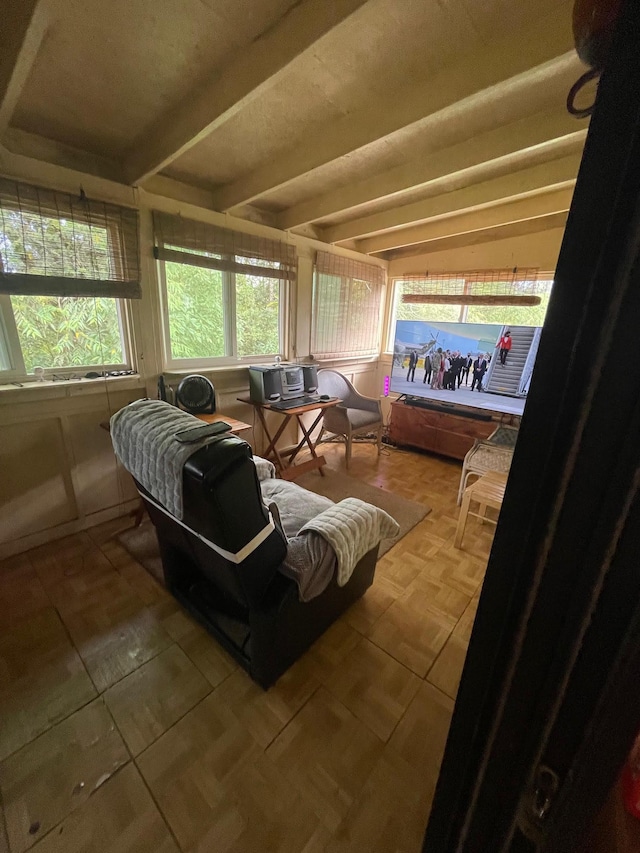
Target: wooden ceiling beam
pixel 241 81
pixel 419 173
pixel 553 175
pixel 483 235
pixel 24 24
pixel 547 46
pixel 51 151
pixel 492 216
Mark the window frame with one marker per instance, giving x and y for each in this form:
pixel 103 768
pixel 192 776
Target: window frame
pixel 11 341
pixel 393 307
pixel 11 338
pixel 393 314
pixel 18 372
pixel 230 325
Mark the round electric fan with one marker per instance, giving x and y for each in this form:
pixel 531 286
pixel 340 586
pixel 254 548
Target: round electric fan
pixel 196 394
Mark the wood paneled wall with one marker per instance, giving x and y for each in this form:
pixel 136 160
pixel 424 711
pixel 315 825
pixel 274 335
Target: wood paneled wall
pixel 59 473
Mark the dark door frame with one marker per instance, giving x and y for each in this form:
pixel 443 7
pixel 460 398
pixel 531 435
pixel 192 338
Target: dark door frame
pixel 551 676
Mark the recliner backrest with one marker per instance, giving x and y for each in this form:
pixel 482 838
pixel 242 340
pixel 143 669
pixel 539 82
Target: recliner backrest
pixel 206 503
pixel 223 504
pixel 226 531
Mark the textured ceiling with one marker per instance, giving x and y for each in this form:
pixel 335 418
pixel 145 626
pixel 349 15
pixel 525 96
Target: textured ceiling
pixel 106 70
pixel 433 133
pixel 308 114
pixel 378 51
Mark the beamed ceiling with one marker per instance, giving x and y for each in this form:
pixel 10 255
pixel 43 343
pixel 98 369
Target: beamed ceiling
pixel 395 127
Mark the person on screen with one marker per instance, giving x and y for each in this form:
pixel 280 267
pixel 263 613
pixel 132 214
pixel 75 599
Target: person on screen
pixel 428 368
pixel 464 371
pixel 413 360
pixel 479 370
pixel 458 365
pixel 450 378
pixel 437 364
pixel 504 345
pixel 446 371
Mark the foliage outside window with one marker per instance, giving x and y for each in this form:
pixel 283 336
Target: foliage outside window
pixel 68 331
pixel 257 315
pixel 57 331
pixel 224 292
pixel 214 314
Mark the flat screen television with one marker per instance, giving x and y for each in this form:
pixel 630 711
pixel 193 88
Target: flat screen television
pixel 506 376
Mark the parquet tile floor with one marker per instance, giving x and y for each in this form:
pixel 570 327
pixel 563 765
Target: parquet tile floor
pixel 125 728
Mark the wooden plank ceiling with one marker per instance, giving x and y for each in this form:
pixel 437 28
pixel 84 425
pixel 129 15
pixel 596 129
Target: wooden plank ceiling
pixel 395 128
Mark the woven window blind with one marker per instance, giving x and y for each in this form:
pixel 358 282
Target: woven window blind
pixel 57 244
pixel 347 305
pixel 455 287
pixel 185 241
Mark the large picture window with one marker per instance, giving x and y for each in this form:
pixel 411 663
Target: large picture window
pixel 224 293
pixel 66 263
pixel 489 282
pixel 347 306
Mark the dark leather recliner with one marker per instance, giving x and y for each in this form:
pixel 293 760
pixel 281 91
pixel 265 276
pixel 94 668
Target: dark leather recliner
pixel 232 585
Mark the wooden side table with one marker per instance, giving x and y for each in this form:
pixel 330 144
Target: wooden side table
pixel 284 462
pixel 487 491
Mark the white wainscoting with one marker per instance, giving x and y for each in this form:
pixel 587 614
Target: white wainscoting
pixel 59 473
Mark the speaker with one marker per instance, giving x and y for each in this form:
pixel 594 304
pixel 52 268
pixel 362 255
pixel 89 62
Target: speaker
pixel 310 378
pixel 265 384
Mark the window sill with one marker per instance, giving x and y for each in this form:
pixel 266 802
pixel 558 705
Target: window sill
pixel 353 359
pixel 222 368
pixel 50 389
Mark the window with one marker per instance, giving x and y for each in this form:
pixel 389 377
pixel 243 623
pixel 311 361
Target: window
pixel 68 331
pixel 489 282
pixel 65 262
pixel 347 304
pixel 224 293
pixel 195 292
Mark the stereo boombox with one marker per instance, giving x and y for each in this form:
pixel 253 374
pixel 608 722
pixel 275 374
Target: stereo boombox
pixel 282 382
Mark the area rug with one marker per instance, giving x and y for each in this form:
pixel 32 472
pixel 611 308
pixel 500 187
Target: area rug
pixel 337 486
pixel 142 544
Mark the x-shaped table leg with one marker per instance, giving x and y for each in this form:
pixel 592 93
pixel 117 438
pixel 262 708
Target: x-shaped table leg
pixel 307 439
pixel 273 441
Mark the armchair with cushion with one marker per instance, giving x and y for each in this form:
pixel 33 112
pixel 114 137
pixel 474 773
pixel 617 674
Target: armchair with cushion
pixel 232 543
pixel 355 415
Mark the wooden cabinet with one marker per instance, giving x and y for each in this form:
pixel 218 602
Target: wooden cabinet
pixel 441 432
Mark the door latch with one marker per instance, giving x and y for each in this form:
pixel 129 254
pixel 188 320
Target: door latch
pixel 536 804
pixel 545 789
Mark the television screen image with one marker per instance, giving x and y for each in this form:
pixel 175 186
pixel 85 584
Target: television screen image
pixel 487 366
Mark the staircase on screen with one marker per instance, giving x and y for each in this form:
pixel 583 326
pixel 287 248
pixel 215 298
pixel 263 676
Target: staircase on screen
pixel 508 379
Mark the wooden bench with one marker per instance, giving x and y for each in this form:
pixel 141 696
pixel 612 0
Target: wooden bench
pixel 487 491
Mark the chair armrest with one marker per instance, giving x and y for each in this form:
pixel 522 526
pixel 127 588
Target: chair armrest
pixel 495 448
